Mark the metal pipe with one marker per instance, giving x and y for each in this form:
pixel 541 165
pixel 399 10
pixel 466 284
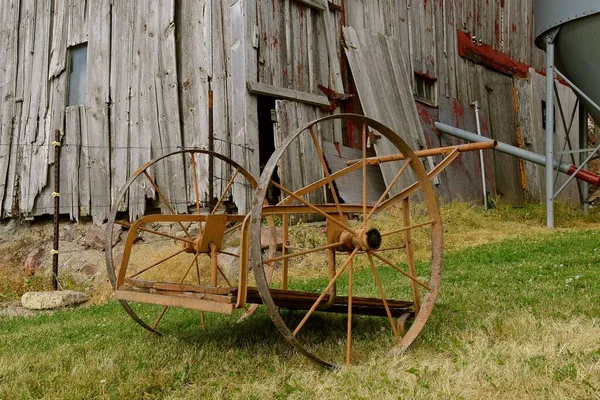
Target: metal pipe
pixel 576 89
pixel 535 158
pixel 438 151
pixel 583 164
pixel 481 160
pixel 549 130
pixel 583 144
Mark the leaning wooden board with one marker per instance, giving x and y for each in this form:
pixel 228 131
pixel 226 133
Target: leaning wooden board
pixel 384 90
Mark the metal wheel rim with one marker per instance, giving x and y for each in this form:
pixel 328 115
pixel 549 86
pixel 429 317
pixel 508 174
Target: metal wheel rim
pixel 255 227
pixel 115 210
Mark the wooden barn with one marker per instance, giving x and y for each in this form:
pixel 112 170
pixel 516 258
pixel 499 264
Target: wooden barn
pixel 124 81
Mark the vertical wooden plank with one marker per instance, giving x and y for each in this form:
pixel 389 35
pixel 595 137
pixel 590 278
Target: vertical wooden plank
pixel 220 70
pixel 70 161
pixel 381 73
pixel 9 15
pixel 34 172
pixel 79 13
pixel 244 134
pixel 85 165
pixel 120 89
pixel 167 133
pixel 503 123
pixel 97 108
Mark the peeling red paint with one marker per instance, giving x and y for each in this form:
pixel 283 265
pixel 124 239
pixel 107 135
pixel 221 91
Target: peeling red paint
pixel 497 31
pixel 458 112
pixel 514 28
pixel 300 75
pixel 485 55
pixel 557 78
pixel 426 118
pixel 426 75
pixel 286 76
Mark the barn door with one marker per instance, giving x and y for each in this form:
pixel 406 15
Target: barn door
pixel 503 127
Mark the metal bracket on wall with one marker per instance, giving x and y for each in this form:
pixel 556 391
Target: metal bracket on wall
pixel 335 98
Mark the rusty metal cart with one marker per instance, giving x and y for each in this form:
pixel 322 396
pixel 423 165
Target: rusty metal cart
pixel 357 261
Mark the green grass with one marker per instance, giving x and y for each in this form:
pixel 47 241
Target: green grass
pixel 515 319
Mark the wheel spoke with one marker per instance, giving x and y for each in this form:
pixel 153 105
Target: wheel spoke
pixel 213 264
pixel 223 276
pixel 229 254
pixel 415 186
pixel 364 173
pixel 156 263
pixel 326 170
pixel 410 255
pixel 349 331
pixel 383 298
pixel 303 253
pixel 164 199
pixel 403 272
pixel 165 308
pixel 233 228
pixel 322 182
pixel 225 191
pixel 199 284
pixel 284 251
pixel 408 228
pixel 141 228
pixel 387 190
pixel 329 286
pixel 384 250
pixel 196 190
pixel 313 207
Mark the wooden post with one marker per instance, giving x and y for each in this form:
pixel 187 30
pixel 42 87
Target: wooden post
pixel 56 196
pixel 211 147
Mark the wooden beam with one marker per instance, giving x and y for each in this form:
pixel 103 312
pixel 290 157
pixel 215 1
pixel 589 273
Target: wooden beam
pixel 174 301
pixel 287 94
pixel 313 4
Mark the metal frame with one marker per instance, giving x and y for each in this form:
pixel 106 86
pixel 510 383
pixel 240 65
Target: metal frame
pixel 551 73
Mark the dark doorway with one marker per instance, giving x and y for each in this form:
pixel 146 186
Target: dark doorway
pixel 266 140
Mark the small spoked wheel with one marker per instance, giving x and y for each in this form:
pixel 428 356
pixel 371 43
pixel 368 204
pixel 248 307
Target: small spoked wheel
pixel 370 248
pixel 183 239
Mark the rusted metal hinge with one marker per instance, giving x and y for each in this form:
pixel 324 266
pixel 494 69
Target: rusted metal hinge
pixel 335 7
pixel 334 97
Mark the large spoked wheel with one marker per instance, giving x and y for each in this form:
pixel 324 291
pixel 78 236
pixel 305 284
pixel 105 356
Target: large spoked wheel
pixel 369 250
pixel 180 241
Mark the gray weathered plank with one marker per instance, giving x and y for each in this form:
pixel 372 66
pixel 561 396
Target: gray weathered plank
pixel 123 17
pixel 244 131
pixel 287 94
pixel 383 86
pixel 97 112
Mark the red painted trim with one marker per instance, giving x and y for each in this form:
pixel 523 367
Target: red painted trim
pixel 585 176
pixel 485 55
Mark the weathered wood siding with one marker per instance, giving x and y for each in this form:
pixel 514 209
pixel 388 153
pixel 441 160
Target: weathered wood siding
pixel 152 66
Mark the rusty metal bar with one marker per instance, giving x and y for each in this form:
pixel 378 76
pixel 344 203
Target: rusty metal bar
pixel 439 151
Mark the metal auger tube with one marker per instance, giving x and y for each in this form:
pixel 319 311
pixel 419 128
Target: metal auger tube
pixel 535 158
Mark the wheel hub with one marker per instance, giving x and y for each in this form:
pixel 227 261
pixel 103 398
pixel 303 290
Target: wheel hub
pixel 365 239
